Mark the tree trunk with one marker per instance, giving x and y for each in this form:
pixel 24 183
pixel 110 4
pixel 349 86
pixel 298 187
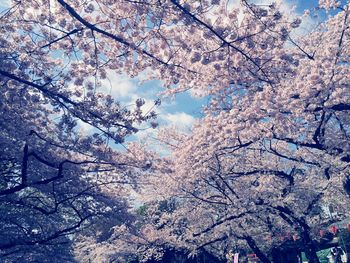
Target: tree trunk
pixel 261 255
pixel 276 255
pixel 310 249
pixel 311 255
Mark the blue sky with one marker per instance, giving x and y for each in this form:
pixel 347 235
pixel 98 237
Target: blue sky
pixel 180 109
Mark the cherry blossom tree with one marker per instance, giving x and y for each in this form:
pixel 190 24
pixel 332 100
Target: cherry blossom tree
pixel 272 147
pixel 268 154
pixel 57 179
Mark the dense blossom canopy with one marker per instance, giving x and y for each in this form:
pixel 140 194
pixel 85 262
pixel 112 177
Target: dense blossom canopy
pixel 271 150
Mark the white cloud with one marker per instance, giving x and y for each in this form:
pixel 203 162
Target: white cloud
pixel 85 128
pixel 180 120
pixel 289 8
pixel 5 3
pixel 286 6
pixel 147 107
pixel 236 4
pixel 119 85
pixel 197 93
pixel 307 25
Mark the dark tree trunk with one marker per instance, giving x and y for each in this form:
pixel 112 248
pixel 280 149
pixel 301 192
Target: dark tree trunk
pixel 310 249
pixel 261 255
pixel 276 255
pixel 311 255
